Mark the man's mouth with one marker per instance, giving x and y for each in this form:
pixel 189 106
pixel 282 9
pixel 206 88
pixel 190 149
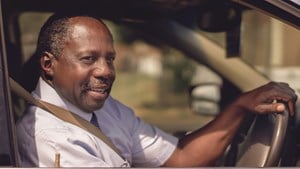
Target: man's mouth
pixel 99 90
pixel 97 93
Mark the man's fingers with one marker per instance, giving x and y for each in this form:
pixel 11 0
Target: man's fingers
pixel 279 107
pixel 266 108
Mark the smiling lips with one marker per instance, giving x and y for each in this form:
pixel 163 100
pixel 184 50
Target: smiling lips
pixel 101 90
pixel 97 92
pixel 97 89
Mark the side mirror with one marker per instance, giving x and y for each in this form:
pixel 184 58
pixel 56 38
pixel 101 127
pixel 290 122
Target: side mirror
pixel 204 98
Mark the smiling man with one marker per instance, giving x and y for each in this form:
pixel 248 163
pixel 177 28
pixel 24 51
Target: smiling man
pixel 83 72
pixel 76 56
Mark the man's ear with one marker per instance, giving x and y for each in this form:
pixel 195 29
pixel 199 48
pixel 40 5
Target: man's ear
pixel 47 62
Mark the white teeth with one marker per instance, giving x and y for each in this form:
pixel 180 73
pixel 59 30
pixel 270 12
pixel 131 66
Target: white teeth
pixel 99 90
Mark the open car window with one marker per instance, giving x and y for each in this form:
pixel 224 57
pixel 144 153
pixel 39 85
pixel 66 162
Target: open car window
pixel 161 72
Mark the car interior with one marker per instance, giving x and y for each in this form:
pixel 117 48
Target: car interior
pixel 207 52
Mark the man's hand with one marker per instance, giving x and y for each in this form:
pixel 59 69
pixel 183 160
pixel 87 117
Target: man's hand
pixel 205 145
pixel 271 97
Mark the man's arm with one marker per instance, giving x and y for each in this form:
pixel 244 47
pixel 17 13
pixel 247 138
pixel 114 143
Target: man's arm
pixel 204 146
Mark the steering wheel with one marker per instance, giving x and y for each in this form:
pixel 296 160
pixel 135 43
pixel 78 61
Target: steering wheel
pixel 263 144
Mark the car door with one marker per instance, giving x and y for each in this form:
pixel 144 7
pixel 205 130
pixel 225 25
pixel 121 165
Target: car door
pixel 8 150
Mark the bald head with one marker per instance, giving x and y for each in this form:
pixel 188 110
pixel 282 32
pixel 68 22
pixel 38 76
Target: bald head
pixel 57 30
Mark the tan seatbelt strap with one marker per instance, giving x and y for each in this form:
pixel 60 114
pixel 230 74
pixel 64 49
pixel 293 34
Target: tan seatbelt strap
pixel 63 114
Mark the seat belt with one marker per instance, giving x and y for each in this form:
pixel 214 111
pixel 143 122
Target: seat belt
pixel 63 114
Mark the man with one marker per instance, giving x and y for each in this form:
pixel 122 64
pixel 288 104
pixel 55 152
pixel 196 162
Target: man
pixel 76 55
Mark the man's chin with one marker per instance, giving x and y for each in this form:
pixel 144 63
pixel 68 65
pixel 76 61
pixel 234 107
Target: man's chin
pixel 92 103
pixel 93 107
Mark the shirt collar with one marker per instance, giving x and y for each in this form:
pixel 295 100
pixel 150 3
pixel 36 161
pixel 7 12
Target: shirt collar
pixel 47 93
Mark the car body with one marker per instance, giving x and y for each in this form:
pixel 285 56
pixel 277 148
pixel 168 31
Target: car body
pixel 211 33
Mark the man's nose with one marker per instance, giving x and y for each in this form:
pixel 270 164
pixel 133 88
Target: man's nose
pixel 102 68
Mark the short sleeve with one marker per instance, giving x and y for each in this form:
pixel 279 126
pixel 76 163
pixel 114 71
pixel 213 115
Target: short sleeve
pixel 152 146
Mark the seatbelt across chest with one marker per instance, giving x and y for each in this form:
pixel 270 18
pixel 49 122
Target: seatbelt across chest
pixel 63 114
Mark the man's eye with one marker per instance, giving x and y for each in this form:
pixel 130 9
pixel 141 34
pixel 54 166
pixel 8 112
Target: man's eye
pixel 89 59
pixel 111 58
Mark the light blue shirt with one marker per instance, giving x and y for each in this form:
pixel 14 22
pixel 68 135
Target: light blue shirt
pixel 42 135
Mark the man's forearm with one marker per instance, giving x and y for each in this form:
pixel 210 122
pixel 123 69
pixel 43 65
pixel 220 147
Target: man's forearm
pixel 204 146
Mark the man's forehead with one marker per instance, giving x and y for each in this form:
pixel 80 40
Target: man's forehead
pixel 85 24
pixel 86 20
